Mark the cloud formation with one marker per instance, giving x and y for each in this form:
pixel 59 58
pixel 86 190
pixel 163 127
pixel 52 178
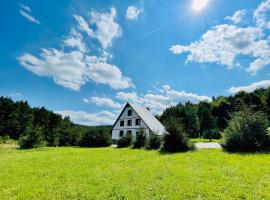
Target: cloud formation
pixel 222 44
pixel 89 119
pixel 160 101
pixel 103 101
pixel 133 13
pixel 251 87
pixel 25 11
pixel 73 67
pixel 237 16
pixel 106 28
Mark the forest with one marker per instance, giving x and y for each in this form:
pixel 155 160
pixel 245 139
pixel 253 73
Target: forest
pixel 38 126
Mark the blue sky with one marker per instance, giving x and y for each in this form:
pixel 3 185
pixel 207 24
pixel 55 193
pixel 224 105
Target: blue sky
pixel 86 58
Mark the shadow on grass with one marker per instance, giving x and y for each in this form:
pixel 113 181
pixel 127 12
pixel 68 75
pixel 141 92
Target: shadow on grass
pixel 165 152
pixel 248 153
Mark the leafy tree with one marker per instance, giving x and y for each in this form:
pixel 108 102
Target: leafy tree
pixel 247 131
pixel 207 121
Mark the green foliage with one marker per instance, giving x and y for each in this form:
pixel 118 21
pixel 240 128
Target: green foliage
pixel 32 138
pixel 96 138
pixel 4 139
pixel 124 141
pixel 140 140
pixel 154 141
pixel 175 139
pixel 247 131
pixel 212 134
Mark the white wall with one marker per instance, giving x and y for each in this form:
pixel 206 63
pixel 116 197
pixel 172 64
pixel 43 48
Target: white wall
pixel 117 128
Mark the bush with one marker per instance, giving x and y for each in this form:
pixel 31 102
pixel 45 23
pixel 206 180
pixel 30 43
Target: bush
pixel 140 139
pixel 124 141
pixel 247 131
pixel 154 141
pixel 176 139
pixel 4 139
pixel 96 138
pixel 32 138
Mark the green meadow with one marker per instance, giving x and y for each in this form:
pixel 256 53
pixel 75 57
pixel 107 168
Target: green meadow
pixel 110 173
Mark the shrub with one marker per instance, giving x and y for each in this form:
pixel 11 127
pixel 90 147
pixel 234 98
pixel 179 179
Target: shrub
pixel 246 131
pixel 124 141
pixel 140 139
pixel 176 139
pixel 32 138
pixel 154 141
pixel 96 138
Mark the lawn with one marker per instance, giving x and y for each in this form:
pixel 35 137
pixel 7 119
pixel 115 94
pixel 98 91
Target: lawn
pixel 109 173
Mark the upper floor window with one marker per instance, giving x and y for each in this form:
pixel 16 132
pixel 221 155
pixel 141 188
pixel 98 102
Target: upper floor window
pixel 129 112
pixel 138 122
pixel 129 122
pixel 122 123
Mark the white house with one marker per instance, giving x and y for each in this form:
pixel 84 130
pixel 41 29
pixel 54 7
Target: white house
pixel 133 118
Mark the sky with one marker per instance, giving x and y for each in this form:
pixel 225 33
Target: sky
pixel 86 59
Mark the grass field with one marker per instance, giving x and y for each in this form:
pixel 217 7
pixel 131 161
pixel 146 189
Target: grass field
pixel 108 173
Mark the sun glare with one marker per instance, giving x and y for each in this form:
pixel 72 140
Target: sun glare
pixel 198 5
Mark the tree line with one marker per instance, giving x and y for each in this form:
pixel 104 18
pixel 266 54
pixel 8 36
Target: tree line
pixel 36 126
pixel 209 119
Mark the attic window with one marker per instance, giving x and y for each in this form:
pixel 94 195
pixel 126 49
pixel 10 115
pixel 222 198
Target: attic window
pixel 138 122
pixel 129 112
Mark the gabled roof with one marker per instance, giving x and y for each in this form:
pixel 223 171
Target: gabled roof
pixel 151 122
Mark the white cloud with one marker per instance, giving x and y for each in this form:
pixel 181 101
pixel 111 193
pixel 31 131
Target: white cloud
pixel 262 14
pixel 106 28
pixel 25 11
pixel 223 43
pixel 85 100
pixel 84 26
pixel 237 16
pixel 74 40
pixel 160 101
pixel 102 101
pixel 89 119
pixel 74 69
pixel 251 87
pixel 25 7
pixel 133 13
pixel 29 17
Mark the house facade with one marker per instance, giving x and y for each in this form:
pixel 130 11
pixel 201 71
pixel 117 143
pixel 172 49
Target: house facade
pixel 133 118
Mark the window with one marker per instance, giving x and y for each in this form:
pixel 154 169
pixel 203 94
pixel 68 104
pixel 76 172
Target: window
pixel 129 122
pixel 121 133
pixel 122 123
pixel 129 132
pixel 129 112
pixel 138 122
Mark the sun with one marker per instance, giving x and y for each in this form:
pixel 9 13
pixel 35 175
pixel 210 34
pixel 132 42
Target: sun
pixel 198 5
